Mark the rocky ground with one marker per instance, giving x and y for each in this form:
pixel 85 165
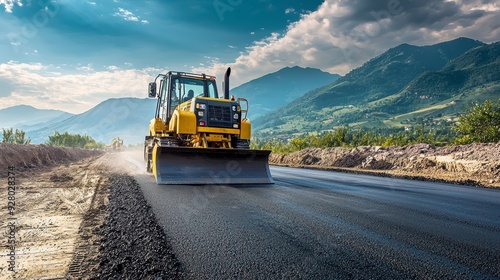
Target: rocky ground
pixel 475 164
pixel 79 214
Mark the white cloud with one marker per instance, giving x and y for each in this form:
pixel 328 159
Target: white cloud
pixel 126 14
pixel 342 35
pixel 337 37
pixel 85 68
pixel 289 10
pixel 129 16
pixel 45 87
pixel 9 4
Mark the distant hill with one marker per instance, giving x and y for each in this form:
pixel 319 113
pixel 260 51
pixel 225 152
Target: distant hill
pixel 404 86
pixel 127 118
pixel 275 90
pixel 24 116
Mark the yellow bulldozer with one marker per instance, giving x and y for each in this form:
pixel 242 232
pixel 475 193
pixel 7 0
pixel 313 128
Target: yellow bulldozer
pixel 200 137
pixel 116 144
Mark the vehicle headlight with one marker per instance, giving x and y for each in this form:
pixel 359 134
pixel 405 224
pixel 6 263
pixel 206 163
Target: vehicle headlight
pixel 234 108
pixel 235 116
pixel 201 106
pixel 200 113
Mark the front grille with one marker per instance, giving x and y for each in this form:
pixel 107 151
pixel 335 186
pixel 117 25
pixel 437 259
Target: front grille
pixel 219 116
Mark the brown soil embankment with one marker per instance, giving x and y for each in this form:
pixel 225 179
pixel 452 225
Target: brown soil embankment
pixel 475 164
pixel 25 157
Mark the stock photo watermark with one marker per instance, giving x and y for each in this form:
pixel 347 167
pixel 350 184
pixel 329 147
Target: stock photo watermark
pixel 381 18
pixel 117 113
pixel 31 26
pixel 224 6
pixel 11 218
pixel 201 196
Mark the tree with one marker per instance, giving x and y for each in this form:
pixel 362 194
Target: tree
pixel 340 136
pixel 73 140
pixel 298 144
pixel 7 135
pixel 479 123
pixel 11 136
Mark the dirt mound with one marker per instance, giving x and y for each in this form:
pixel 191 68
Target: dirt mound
pixel 477 163
pixel 30 156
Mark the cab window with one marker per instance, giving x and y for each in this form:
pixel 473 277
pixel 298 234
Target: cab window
pixel 187 88
pixel 212 89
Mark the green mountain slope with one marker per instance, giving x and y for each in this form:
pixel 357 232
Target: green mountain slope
pixel 472 77
pixel 405 86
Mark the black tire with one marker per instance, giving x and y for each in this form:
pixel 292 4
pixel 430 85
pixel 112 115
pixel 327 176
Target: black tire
pixel 148 157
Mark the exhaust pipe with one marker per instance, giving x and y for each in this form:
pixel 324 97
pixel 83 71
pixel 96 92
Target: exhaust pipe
pixel 226 83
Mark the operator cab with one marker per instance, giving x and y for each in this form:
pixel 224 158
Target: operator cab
pixel 179 87
pixel 185 88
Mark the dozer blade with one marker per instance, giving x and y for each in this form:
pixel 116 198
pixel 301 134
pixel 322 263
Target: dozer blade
pixel 186 165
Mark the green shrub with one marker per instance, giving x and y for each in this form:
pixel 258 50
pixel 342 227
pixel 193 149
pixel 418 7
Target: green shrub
pixel 11 136
pixel 479 123
pixel 74 140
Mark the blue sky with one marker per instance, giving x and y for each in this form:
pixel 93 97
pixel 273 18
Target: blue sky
pixel 71 55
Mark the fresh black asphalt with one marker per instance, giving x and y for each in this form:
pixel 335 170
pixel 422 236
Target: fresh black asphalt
pixel 326 225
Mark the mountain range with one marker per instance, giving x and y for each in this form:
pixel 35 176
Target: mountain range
pixel 403 87
pixel 27 117
pixel 129 118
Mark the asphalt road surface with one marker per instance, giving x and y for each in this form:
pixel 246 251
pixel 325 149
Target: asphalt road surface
pixel 327 225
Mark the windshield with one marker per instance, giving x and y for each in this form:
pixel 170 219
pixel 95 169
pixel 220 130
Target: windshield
pixel 187 88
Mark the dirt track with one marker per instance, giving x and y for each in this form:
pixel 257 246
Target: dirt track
pixel 62 212
pixel 50 203
pixel 77 215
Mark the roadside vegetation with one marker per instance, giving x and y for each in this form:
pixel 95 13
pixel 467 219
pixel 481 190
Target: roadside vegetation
pixel 65 139
pixel 74 140
pixel 480 122
pixel 17 136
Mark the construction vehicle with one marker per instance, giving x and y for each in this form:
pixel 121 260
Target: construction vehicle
pixel 117 144
pixel 199 137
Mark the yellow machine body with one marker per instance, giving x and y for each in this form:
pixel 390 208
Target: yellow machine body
pixel 203 138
